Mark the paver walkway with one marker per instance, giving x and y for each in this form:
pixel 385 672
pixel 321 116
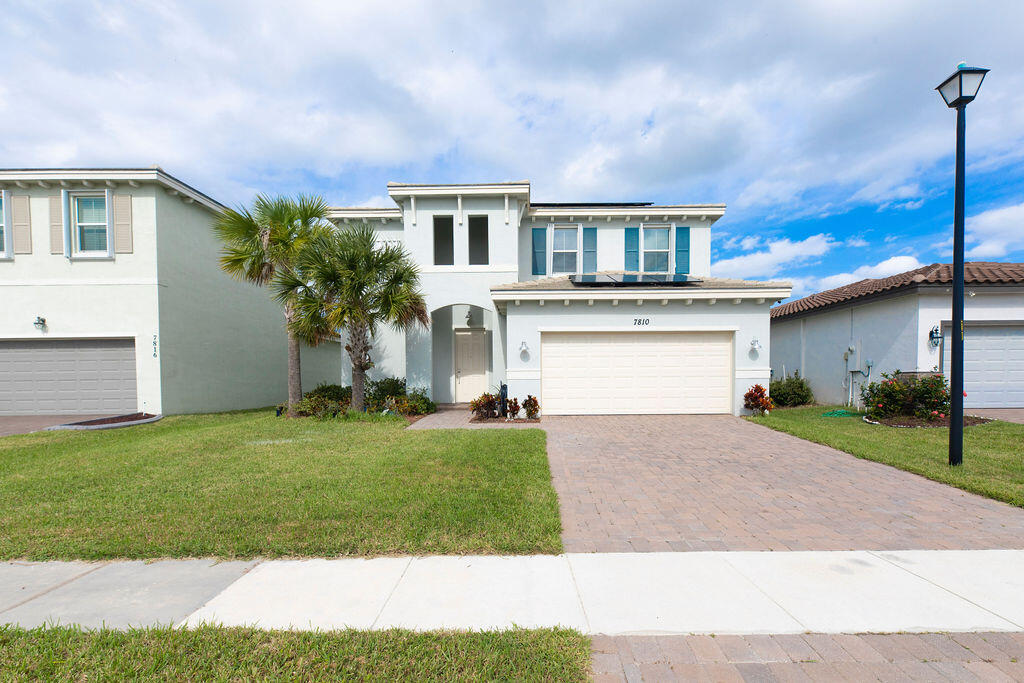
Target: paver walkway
pixel 646 483
pixel 811 656
pixel 1008 414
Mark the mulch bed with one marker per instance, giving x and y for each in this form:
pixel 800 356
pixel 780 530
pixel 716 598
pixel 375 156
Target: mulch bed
pixel 913 421
pixel 503 420
pixel 413 418
pixel 115 420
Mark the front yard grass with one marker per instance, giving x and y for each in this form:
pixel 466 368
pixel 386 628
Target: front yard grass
pixel 993 453
pixel 212 653
pixel 248 484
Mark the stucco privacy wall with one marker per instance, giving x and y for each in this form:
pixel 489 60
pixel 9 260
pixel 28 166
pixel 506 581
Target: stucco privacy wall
pixel 222 342
pixel 611 246
pixel 525 321
pixel 98 299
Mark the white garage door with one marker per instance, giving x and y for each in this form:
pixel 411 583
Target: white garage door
pixel 643 373
pixel 67 376
pixel 993 365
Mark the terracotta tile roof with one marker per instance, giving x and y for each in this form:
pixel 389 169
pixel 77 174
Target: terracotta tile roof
pixel 561 283
pixel 975 273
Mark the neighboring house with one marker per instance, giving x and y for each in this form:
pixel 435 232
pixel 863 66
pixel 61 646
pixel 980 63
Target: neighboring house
pixel 843 338
pixel 114 301
pixel 594 308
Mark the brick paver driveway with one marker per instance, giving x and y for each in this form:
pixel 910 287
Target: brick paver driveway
pixel 702 482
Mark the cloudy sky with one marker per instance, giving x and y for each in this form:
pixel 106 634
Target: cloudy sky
pixel 815 122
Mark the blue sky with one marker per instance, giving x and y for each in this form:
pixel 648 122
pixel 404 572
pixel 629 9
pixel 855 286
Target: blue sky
pixel 815 122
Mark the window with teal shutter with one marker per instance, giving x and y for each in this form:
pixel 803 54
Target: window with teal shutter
pixel 682 250
pixel 540 248
pixel 632 249
pixel 589 250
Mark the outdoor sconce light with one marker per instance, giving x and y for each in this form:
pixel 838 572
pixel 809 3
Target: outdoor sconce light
pixel 523 348
pixel 755 344
pixel 40 323
pixel 935 336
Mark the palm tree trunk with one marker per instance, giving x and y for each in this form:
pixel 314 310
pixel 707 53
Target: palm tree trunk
pixel 294 368
pixel 359 352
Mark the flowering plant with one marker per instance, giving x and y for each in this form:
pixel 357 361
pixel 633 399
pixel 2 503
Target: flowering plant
pixel 757 400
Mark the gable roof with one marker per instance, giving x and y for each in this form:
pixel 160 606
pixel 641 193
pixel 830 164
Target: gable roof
pixel 975 273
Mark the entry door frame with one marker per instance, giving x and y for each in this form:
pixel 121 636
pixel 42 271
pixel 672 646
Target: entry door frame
pixel 467 332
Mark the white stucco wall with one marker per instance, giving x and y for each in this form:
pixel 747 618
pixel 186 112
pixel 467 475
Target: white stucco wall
pixel 223 343
pixel 883 331
pixel 524 323
pixel 88 299
pixel 987 303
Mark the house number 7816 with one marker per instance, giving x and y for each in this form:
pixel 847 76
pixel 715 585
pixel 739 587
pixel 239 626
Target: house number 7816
pixel 641 321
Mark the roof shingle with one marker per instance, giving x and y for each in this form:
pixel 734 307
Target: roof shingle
pixel 975 273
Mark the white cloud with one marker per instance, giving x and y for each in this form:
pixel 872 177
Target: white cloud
pixel 769 262
pixel 856 242
pixel 765 106
pixel 890 266
pixel 995 233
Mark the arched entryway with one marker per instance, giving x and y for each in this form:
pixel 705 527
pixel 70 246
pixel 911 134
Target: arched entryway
pixel 463 342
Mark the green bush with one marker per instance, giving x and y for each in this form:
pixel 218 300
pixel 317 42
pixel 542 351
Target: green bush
pixel 900 395
pixel 419 403
pixel 791 391
pixel 321 407
pixel 335 392
pixel 378 391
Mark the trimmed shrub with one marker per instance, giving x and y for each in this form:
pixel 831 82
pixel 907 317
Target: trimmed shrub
pixel 335 392
pixel 379 390
pixel 419 403
pixel 756 400
pixel 321 407
pixel 512 408
pixel 791 391
pixel 905 395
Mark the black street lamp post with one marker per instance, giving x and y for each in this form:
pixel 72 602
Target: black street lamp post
pixel 957 91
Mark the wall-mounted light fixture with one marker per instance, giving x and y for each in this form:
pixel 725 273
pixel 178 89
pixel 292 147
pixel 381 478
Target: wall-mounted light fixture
pixel 755 344
pixel 40 323
pixel 523 348
pixel 935 336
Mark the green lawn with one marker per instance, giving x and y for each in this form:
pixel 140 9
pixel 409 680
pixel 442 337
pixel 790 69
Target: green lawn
pixel 248 654
pixel 993 453
pixel 249 484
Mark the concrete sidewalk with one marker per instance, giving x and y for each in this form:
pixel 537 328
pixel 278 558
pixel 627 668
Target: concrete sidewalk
pixel 612 593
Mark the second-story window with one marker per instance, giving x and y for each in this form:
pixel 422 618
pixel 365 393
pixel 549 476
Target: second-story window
pixel 89 223
pixel 478 247
pixel 565 250
pixel 656 249
pixel 444 241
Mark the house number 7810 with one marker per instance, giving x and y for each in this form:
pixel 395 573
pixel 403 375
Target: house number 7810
pixel 641 321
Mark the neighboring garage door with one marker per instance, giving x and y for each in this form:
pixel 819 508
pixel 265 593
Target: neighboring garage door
pixel 67 376
pixel 611 373
pixel 993 365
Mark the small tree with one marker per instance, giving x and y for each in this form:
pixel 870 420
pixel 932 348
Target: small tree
pixel 263 244
pixel 346 281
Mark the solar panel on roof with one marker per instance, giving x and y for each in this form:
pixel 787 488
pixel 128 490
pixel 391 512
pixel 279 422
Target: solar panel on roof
pixel 633 280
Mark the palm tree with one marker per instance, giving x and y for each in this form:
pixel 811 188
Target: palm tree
pixel 346 281
pixel 264 244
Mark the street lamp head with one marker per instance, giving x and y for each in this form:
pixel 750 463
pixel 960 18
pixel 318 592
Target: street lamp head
pixel 962 87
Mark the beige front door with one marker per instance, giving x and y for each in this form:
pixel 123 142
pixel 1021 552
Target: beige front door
pixel 470 364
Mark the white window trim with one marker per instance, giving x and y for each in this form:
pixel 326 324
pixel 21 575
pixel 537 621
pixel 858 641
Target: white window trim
pixel 8 251
pixel 551 247
pixel 671 247
pixel 71 236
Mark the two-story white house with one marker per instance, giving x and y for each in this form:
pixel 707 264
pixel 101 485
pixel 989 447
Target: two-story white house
pixel 114 302
pixel 594 308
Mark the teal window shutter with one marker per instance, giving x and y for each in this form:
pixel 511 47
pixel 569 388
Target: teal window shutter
pixel 632 249
pixel 540 251
pixel 682 250
pixel 589 250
